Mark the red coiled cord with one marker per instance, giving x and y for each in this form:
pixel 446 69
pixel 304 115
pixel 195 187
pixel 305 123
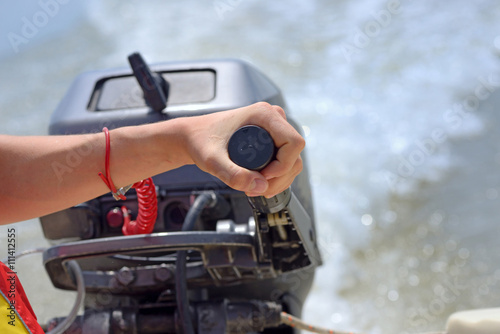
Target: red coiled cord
pixel 148 209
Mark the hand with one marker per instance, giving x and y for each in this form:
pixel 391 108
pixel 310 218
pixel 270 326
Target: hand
pixel 208 136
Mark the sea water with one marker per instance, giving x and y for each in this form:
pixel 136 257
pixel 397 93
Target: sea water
pixel 398 101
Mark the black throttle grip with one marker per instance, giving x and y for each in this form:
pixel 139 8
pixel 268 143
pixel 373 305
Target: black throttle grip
pixel 253 148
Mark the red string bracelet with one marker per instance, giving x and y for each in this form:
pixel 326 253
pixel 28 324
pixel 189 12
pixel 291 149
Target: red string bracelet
pixel 117 194
pixel 146 195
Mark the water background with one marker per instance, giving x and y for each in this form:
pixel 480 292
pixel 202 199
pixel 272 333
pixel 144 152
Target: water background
pixel 398 100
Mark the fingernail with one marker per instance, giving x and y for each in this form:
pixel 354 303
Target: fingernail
pixel 258 186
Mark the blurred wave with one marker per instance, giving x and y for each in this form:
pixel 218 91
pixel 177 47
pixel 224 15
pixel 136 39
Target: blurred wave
pixel 397 100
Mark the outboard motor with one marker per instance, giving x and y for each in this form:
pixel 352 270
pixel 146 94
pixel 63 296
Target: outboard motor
pixel 216 261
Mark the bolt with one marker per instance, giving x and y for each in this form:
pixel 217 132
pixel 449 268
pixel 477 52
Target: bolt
pixel 163 274
pixel 125 276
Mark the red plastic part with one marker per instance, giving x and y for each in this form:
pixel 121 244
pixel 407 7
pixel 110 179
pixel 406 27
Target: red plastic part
pixel 114 217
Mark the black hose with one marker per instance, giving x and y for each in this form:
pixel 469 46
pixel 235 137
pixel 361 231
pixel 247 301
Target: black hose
pixel 186 322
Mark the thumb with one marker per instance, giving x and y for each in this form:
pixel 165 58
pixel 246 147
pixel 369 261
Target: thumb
pixel 239 178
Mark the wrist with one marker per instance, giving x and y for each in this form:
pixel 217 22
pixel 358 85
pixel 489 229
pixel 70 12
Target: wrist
pixel 173 143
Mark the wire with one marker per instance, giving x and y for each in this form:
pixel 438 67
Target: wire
pixel 30 251
pixel 186 323
pixel 27 252
pixel 290 320
pixel 295 322
pixel 77 272
pixel 80 284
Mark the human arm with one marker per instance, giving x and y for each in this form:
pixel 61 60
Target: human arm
pixel 44 174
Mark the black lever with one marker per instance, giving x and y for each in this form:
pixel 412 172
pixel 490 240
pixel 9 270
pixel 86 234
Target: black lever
pixel 153 85
pixel 253 148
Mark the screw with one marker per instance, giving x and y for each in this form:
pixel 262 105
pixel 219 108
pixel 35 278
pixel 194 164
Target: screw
pixel 125 276
pixel 163 274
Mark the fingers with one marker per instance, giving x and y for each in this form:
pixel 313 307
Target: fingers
pixel 289 144
pixel 279 184
pixel 235 176
pixel 286 158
